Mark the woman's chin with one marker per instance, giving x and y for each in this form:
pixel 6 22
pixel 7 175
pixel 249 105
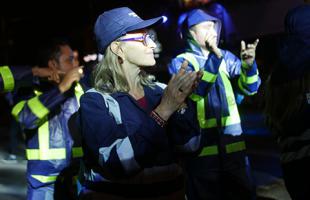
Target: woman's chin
pixel 149 63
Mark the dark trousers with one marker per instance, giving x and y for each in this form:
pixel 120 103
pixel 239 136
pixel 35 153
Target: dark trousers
pixel 216 177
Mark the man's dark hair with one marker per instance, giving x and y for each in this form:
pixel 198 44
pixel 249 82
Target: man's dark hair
pixel 49 49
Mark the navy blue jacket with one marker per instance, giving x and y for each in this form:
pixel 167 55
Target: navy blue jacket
pixel 117 152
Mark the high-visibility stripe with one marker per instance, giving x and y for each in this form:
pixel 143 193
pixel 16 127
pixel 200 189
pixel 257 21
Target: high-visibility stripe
pixel 209 77
pixel 201 112
pixel 191 58
pixel 245 65
pixel 17 108
pixel 235 147
pixel 51 154
pixel 37 92
pixel 44 179
pixel 37 107
pixel 229 148
pixel 78 90
pixel 77 152
pixel 243 89
pixel 209 150
pixel 249 79
pixel 211 123
pixel 8 78
pixel 44 152
pixel 195 97
pixel 233 117
pixel 223 69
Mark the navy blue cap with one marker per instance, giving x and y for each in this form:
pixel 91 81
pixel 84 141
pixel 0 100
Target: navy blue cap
pixel 197 16
pixel 115 23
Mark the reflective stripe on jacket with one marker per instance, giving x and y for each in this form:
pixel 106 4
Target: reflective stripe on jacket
pixel 216 104
pixel 14 77
pixel 49 143
pixel 6 79
pixel 122 151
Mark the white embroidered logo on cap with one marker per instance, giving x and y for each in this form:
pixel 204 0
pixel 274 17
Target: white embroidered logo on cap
pixel 132 14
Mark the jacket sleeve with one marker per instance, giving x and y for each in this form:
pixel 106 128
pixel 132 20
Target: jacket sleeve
pixel 210 72
pixel 184 130
pixel 34 112
pixel 248 77
pixel 120 150
pixel 12 77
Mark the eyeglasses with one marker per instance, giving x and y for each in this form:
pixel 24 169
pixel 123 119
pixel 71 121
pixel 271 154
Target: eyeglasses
pixel 146 39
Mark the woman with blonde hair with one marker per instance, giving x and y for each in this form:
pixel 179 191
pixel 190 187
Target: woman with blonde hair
pixel 134 131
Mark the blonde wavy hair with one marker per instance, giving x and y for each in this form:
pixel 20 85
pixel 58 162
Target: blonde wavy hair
pixel 109 77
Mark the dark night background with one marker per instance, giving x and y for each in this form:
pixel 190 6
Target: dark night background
pixel 24 25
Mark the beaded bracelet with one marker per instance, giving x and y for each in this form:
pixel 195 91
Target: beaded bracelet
pixel 160 121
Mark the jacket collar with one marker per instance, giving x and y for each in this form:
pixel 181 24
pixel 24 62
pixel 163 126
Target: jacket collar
pixel 152 95
pixel 155 91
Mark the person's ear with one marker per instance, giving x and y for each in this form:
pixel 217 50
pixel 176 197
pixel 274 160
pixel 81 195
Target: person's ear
pixel 117 50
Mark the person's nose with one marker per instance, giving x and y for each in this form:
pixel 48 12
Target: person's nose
pixel 151 44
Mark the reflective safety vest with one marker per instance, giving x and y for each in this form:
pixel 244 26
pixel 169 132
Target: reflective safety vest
pixel 205 123
pixel 233 117
pixel 56 157
pixel 8 78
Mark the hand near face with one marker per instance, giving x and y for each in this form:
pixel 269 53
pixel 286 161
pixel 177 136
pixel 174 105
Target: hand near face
pixel 74 75
pixel 211 45
pixel 247 53
pixel 50 73
pixel 179 88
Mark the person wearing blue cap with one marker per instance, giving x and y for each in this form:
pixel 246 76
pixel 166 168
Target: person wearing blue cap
pixel 221 169
pixel 133 130
pixel 287 106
